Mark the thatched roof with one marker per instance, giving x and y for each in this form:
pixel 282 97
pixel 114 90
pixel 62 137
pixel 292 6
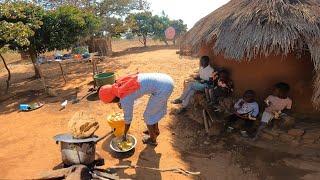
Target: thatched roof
pixel 246 29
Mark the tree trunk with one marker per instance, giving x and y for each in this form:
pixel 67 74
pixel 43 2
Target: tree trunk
pixel 33 56
pixel 144 40
pixel 166 42
pixel 9 73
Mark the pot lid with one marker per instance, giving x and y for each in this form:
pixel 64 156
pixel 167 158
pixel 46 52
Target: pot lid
pixel 68 138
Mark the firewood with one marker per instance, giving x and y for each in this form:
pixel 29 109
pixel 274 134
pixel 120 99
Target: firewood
pixel 106 175
pixel 205 121
pixel 69 173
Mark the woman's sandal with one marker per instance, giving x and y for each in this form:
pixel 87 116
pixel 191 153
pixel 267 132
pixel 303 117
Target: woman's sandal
pixel 146 132
pixel 148 140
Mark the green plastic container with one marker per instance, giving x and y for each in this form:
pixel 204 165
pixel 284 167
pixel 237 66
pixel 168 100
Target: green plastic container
pixel 104 79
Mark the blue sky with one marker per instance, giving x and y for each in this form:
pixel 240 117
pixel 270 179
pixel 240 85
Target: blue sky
pixel 190 11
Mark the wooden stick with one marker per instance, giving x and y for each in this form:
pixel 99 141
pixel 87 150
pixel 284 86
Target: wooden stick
pixel 94 70
pixel 175 170
pixel 205 120
pixel 106 175
pixel 62 73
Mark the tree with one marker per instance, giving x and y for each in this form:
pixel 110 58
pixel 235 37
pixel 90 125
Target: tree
pixel 114 11
pixel 62 29
pixel 45 31
pixel 141 25
pixel 88 5
pixel 180 28
pixel 162 22
pixel 159 25
pixel 113 26
pixel 18 22
pixel 111 12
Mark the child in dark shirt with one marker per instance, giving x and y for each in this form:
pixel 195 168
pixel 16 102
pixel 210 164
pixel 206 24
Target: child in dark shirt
pixel 219 86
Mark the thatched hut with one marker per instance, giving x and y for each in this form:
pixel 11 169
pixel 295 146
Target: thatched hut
pixel 262 42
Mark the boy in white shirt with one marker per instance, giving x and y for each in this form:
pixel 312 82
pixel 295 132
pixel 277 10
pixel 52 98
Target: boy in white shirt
pixel 205 73
pixel 247 110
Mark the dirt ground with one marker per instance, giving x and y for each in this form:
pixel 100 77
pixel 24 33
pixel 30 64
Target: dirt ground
pixel 27 146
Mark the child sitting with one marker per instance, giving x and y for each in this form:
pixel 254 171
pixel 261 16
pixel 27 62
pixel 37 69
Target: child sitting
pixel 199 85
pixel 221 86
pixel 247 110
pixel 277 104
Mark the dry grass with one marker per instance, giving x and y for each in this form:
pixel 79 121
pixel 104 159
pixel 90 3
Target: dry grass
pixel 10 57
pixel 122 45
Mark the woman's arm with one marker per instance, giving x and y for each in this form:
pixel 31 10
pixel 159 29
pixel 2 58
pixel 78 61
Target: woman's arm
pixel 126 129
pixel 127 106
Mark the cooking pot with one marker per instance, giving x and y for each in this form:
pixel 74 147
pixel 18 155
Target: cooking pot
pixel 78 151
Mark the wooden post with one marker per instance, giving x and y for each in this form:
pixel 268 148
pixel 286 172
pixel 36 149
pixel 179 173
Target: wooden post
pixel 62 73
pixel 94 70
pixel 205 120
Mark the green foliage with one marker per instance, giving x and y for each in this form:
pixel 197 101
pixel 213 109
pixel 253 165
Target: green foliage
pixel 114 11
pixel 27 27
pixel 144 24
pixel 114 26
pixel 88 5
pixel 160 24
pixel 179 26
pixel 18 21
pixel 80 50
pixel 141 24
pixel 110 8
pixel 129 35
pixel 63 28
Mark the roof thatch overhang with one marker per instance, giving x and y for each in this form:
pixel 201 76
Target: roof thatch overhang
pixel 246 29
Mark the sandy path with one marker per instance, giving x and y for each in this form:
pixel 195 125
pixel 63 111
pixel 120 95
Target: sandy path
pixel 27 147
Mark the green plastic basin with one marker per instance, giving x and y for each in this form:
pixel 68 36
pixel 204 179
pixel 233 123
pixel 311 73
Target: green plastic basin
pixel 104 78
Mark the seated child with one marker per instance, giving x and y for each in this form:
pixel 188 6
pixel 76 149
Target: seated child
pixel 277 104
pixel 222 87
pixel 247 110
pixel 199 85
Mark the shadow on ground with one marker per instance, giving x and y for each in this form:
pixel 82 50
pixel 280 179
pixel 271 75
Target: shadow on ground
pixel 24 88
pixel 228 154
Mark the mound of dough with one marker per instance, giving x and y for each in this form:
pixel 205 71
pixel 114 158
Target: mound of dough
pixel 82 125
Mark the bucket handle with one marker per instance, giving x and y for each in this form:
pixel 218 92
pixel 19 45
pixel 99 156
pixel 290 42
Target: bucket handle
pixel 102 137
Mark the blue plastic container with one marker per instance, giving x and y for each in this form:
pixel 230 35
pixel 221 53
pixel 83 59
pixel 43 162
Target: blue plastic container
pixel 24 107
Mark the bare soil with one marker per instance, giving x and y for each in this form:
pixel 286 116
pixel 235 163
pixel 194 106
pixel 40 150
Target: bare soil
pixel 27 146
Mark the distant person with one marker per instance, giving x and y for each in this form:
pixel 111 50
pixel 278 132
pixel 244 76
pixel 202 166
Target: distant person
pixel 199 84
pixel 246 110
pixel 127 89
pixel 278 106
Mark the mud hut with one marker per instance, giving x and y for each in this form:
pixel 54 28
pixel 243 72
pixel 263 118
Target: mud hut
pixel 262 42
